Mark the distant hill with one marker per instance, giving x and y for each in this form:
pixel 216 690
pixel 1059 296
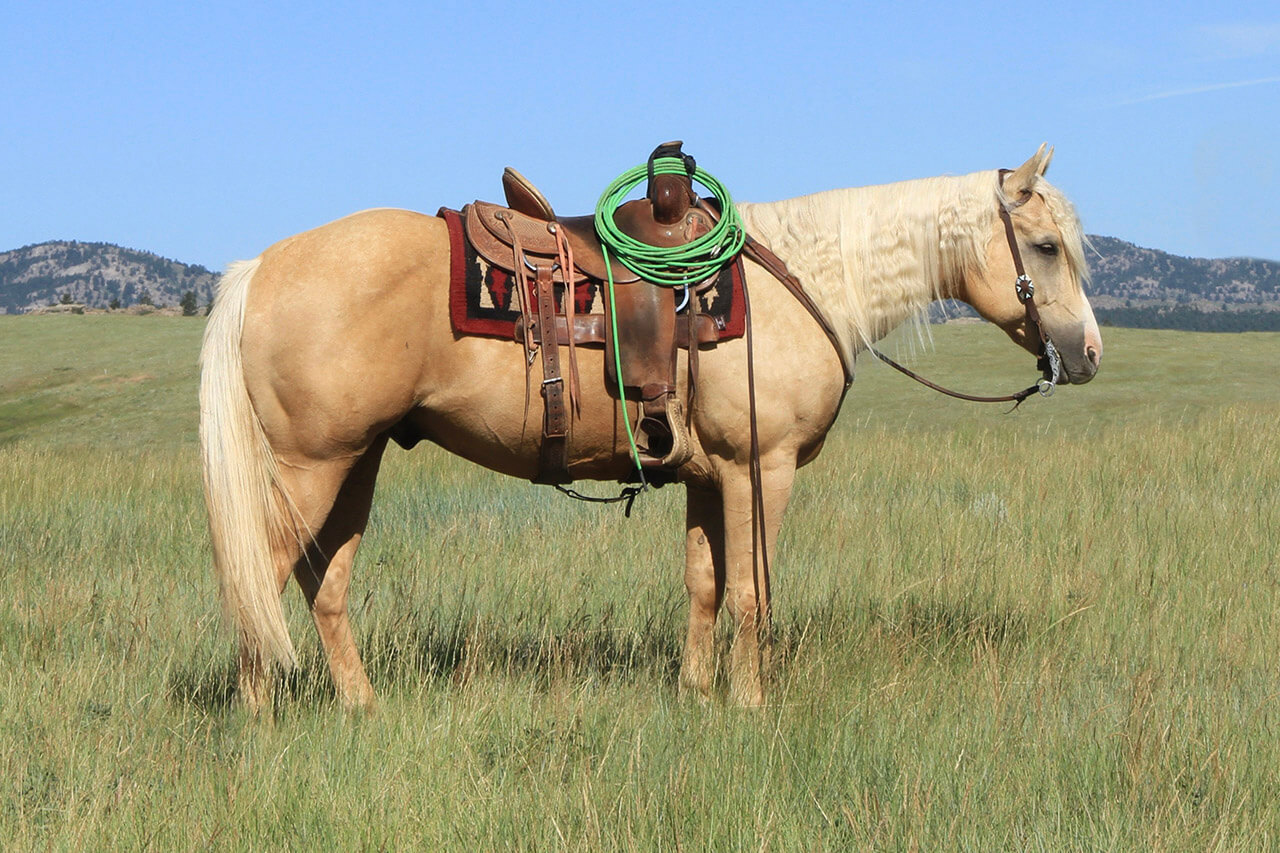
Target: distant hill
pixel 1132 286
pixel 1147 288
pixel 1125 272
pixel 95 274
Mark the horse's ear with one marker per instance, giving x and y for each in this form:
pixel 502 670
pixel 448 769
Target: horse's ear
pixel 1044 162
pixel 1022 179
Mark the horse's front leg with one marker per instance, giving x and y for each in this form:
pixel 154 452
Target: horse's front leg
pixel 747 583
pixel 704 579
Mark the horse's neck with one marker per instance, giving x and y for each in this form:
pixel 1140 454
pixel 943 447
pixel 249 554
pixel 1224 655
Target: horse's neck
pixel 872 257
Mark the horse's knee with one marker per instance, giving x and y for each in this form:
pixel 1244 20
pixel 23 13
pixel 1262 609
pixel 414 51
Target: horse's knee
pixel 703 594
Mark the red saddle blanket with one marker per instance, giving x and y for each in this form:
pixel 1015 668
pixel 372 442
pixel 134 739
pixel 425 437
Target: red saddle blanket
pixel 482 302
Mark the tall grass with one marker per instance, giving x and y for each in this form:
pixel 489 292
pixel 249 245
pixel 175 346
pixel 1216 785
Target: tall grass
pixel 1053 630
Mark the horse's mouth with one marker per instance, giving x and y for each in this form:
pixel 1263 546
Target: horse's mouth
pixel 1077 363
pixel 1071 374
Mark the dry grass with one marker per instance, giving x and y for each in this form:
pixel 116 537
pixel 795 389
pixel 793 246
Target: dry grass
pixel 1054 630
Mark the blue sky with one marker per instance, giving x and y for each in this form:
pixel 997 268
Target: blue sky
pixel 207 133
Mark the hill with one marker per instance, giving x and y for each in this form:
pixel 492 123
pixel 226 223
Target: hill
pixel 1147 288
pixel 95 275
pixel 1123 272
pixel 1138 287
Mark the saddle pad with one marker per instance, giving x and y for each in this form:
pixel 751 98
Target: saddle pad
pixel 482 299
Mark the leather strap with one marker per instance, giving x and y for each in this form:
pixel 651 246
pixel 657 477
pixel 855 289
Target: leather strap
pixel 565 262
pixel 1025 291
pixel 590 329
pixel 553 463
pixel 764 256
pixel 1023 285
pixel 1048 361
pixel 759 531
pixel 1015 398
pixel 692 339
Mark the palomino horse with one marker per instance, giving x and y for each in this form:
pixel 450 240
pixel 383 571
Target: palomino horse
pixel 330 340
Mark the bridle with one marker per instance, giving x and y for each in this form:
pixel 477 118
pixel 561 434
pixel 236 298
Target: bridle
pixel 1047 359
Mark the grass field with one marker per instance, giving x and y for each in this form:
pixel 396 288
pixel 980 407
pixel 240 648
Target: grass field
pixel 1052 630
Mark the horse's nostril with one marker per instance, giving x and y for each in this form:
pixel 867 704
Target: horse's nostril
pixel 1092 353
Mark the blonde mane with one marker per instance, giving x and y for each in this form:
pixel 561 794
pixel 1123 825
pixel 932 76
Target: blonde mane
pixel 874 257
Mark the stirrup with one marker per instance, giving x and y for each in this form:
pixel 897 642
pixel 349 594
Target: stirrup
pixel 681 447
pixel 667 437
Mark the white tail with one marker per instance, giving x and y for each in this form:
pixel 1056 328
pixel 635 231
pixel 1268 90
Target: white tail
pixel 241 484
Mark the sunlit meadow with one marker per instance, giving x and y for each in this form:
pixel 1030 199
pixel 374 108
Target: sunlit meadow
pixel 1053 629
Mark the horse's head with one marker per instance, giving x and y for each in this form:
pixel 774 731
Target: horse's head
pixel 1047 238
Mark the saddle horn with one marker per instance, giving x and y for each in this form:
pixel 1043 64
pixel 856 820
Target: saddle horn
pixel 671 195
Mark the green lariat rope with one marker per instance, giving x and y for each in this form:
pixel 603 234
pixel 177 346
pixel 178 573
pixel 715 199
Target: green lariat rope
pixel 676 266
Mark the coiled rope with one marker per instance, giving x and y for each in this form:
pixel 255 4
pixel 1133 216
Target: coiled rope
pixel 675 266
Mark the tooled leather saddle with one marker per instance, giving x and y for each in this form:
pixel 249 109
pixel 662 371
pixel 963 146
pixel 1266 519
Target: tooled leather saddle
pixel 541 250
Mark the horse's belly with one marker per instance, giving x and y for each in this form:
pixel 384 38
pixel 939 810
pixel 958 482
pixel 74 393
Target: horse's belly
pixel 480 403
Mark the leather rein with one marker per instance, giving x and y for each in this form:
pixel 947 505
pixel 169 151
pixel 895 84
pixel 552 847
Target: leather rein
pixel 1048 360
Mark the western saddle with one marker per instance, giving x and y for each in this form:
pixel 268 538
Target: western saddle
pixel 528 240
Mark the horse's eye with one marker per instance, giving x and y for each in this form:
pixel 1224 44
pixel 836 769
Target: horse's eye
pixel 1047 248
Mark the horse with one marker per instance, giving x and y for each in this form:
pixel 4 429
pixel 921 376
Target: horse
pixel 334 340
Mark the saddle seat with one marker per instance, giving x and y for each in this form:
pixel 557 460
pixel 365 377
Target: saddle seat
pixel 527 239
pixel 529 219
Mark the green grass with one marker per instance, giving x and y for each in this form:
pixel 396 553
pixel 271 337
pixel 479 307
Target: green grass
pixel 1054 630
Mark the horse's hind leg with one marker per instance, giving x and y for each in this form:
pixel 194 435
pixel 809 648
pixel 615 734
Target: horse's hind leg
pixel 704 579
pixel 325 577
pixel 326 503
